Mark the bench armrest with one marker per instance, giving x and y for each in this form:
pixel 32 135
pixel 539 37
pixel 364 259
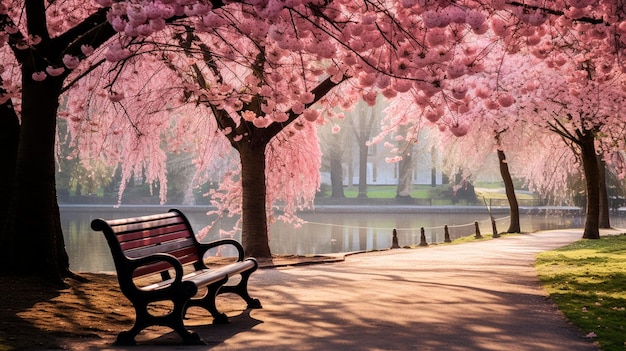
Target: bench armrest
pixel 204 247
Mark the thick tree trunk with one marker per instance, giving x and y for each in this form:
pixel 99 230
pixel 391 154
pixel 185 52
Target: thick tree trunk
pixel 254 231
pixel 514 226
pixel 590 168
pixel 32 237
pixel 604 209
pixel 9 138
pixel 336 169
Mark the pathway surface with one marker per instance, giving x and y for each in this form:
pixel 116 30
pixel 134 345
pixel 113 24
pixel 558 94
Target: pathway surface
pixel 475 296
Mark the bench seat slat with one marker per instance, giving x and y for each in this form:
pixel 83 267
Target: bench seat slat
pixel 168 247
pixel 155 217
pixel 139 226
pixel 154 240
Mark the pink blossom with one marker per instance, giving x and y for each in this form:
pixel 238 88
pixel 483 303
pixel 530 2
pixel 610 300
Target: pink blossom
pixel 238 137
pixel 367 79
pixel 393 159
pixel 459 129
pixel 336 129
pixel 390 93
pixel 298 108
pixel 506 100
pixel 261 122
pixel 456 69
pixel 117 53
pixel 11 29
pixel 432 116
pixel 311 115
pixel 370 98
pixel 580 4
pixel 34 39
pixel 475 19
pixel 144 30
pixel 70 61
pixel 55 71
pixel 453 14
pixel 280 117
pixel 459 91
pixel 436 36
pixel 408 3
pixel 248 115
pixel 402 85
pixel 431 19
pixel 105 3
pixel 307 97
pixel 39 76
pixel 86 50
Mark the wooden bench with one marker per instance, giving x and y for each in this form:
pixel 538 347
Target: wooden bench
pixel 162 245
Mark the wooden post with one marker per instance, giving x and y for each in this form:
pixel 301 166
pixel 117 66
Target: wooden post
pixel 394 240
pixel 423 237
pixel 478 236
pixel 446 234
pixel 494 229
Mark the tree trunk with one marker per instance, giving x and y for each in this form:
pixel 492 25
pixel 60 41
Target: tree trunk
pixel 254 231
pixel 405 168
pixel 336 168
pixel 363 150
pixel 32 237
pixel 590 168
pixel 514 226
pixel 604 209
pixel 9 138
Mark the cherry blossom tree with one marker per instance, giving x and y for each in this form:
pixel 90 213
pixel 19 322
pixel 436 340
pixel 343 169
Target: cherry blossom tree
pixel 388 46
pixel 286 61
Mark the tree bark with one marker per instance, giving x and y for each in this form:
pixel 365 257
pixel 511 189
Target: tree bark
pixel 509 188
pixel 405 168
pixel 604 207
pixel 9 139
pixel 590 168
pixel 363 150
pixel 33 241
pixel 336 169
pixel 254 231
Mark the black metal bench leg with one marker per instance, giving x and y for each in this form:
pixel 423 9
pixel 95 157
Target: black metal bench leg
pixel 208 303
pixel 175 321
pixel 142 318
pixel 241 289
pixel 172 320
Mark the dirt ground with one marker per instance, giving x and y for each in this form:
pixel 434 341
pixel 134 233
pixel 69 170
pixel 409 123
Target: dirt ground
pixel 35 316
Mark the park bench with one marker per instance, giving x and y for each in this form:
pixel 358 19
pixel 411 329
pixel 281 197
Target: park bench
pixel 158 258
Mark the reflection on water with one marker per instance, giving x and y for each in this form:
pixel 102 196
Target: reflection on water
pixel 324 231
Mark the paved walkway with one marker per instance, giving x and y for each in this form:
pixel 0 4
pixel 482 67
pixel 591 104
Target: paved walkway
pixel 476 296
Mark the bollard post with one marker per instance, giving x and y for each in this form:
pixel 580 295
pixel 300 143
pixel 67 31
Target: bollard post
pixel 394 240
pixel 478 236
pixel 446 234
pixel 423 237
pixel 494 229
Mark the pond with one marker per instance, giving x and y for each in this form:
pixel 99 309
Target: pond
pixel 330 229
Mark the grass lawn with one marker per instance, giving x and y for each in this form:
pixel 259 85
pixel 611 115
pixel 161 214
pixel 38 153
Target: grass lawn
pixel 587 281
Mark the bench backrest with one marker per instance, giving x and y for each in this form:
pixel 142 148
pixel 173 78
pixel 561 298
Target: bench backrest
pixel 137 237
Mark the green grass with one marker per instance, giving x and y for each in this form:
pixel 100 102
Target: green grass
pixel 587 281
pixel 388 191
